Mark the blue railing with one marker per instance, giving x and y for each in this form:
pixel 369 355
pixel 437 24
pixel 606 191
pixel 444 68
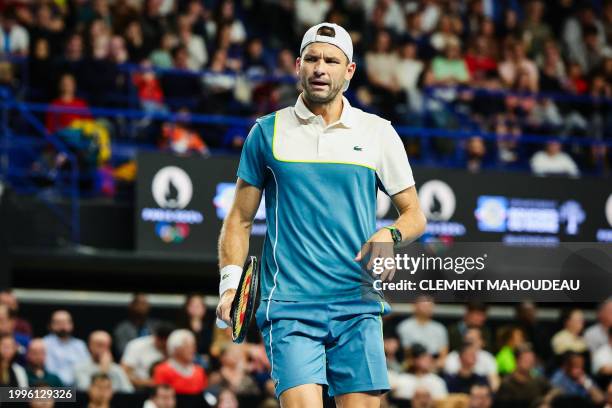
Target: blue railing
pixel 20 175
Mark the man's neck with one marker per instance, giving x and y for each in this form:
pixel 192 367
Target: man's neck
pixel 330 112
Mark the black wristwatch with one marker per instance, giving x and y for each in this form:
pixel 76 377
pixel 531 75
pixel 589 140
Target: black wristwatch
pixel 396 234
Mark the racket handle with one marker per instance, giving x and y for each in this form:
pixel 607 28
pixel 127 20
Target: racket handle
pixel 221 324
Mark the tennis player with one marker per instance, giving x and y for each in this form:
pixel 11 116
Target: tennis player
pixel 319 164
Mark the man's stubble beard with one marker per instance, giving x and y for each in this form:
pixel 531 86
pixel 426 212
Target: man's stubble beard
pixel 321 100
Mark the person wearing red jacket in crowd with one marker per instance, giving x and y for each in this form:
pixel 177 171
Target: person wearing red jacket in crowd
pixel 179 370
pixel 67 99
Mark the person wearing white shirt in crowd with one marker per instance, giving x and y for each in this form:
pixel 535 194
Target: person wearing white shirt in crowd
pixel 596 335
pixel 142 353
pixel 64 351
pixel 408 71
pixel 553 161
pixel 14 39
pixel 196 47
pixel 421 329
pixel 420 375
pixel 485 362
pixel 311 12
pixel 602 358
pixel 163 397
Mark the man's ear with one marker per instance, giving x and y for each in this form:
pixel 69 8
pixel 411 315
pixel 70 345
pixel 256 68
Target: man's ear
pixel 350 71
pixel 298 63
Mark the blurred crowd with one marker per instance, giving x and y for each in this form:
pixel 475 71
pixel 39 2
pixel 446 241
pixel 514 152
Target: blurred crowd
pixel 497 70
pixel 470 362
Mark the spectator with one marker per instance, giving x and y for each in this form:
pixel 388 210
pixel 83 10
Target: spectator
pixel 226 17
pixel 553 161
pixel 73 59
pixel 465 378
pixel 570 337
pixel 179 371
pixel 381 63
pixel 234 374
pixel 163 397
pixel 219 83
pixel 420 374
pixel 100 391
pixel 535 334
pixel 515 61
pixel 193 316
pixel 422 398
pixel 255 59
pixel 479 59
pixel 180 88
pixel 485 362
pixel 64 351
pixel 574 32
pixel 445 34
pixel 602 359
pixel 310 12
pixel 227 399
pixel 41 67
pixel 101 362
pixel 596 335
pixel 49 26
pixel 475 315
pixel 35 368
pixel 180 138
pixel 409 70
pixel 196 48
pixel 117 50
pixel 43 403
pixel 162 56
pixel 535 31
pixel 572 380
pixel 150 92
pixel 450 69
pixel 14 38
pixel 142 353
pixel 421 329
pixel 480 397
pixel 8 322
pixel 137 324
pixel 11 373
pixel 67 99
pixel 476 151
pixel 512 338
pixel 523 387
pixel 392 349
pixel 137 49
pixel 153 24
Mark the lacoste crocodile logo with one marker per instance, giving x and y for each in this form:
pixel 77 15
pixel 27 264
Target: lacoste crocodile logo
pixel 357 148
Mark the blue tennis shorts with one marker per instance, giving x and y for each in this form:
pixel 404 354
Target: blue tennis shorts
pixel 339 344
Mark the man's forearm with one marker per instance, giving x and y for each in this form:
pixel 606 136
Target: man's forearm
pixel 411 224
pixel 234 242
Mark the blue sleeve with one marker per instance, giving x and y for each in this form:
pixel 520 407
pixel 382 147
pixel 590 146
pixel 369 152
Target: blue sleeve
pixel 252 160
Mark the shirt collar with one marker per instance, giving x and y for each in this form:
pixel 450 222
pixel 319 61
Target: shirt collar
pixel 346 117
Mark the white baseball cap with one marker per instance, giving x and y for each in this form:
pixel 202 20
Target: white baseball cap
pixel 342 40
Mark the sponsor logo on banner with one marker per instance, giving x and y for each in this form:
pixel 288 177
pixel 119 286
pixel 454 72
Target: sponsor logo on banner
pixel 528 215
pixel 224 197
pixel 439 203
pixel 172 191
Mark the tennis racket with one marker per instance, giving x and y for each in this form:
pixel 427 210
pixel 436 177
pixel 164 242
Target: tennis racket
pixel 245 301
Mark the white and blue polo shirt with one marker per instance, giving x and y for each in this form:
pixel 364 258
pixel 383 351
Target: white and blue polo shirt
pixel 320 183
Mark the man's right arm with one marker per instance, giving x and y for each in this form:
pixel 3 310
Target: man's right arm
pixel 234 237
